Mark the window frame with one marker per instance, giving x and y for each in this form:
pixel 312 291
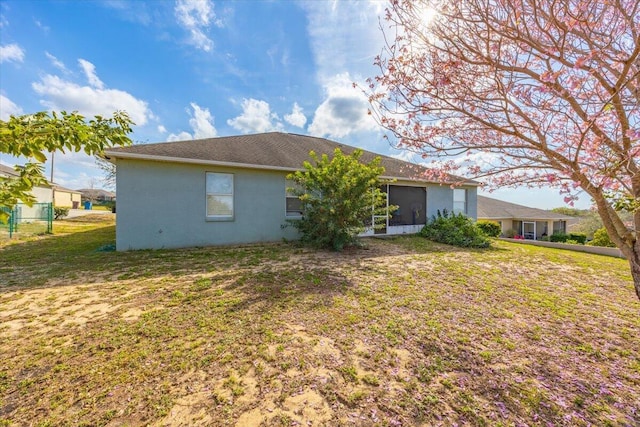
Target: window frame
pixel 288 183
pixel 460 191
pixel 220 217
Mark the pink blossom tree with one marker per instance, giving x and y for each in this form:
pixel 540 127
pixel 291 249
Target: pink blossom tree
pixel 521 92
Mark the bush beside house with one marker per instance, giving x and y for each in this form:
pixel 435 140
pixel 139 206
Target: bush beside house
pixel 456 230
pixel 571 238
pixel 337 196
pixel 490 228
pixel 601 238
pixel 60 212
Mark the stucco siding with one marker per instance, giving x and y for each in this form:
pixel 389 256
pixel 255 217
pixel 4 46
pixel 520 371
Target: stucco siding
pixel 65 199
pixel 42 194
pixel 472 202
pixel 163 205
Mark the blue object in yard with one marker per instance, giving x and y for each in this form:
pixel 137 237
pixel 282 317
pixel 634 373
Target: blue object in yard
pixel 88 206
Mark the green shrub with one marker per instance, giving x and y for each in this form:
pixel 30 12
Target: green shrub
pixel 339 197
pixel 581 238
pixel 559 237
pixel 510 233
pixel 544 239
pixel 59 213
pixel 601 238
pixel 457 230
pixel 572 242
pixel 490 228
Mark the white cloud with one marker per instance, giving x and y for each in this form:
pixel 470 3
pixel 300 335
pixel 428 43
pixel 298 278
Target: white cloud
pixel 45 29
pixel 162 129
pixel 408 156
pixel 256 117
pixel 182 136
pixel 201 123
pixel 11 52
pixel 296 118
pixel 56 62
pixel 195 16
pixel 344 35
pixel 90 72
pixel 132 11
pixel 60 94
pixel 8 108
pixel 344 110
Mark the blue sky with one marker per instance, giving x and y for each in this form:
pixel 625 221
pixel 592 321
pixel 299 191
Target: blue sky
pixel 195 69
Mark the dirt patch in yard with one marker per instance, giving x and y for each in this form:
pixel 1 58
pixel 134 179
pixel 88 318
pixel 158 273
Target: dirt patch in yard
pixel 403 333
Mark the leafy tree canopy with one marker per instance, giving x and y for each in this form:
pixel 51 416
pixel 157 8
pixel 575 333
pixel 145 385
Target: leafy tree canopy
pixel 339 198
pixel 521 92
pixel 34 135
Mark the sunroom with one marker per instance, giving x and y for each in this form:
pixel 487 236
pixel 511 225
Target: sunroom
pixel 410 216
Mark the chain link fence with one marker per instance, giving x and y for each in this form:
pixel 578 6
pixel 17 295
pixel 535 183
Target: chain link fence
pixel 27 220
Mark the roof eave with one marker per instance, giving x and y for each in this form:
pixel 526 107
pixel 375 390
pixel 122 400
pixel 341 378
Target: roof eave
pixel 113 155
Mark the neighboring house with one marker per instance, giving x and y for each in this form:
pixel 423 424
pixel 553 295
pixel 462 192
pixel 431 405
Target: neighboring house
pixel 42 194
pixel 531 223
pixel 97 195
pixel 65 197
pixel 232 190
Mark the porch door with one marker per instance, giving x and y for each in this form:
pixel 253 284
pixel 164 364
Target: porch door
pixel 381 221
pixel 529 230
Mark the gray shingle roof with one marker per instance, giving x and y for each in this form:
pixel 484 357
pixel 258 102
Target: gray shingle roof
pixel 8 171
pixel 489 208
pixel 65 189
pixel 274 150
pixel 11 172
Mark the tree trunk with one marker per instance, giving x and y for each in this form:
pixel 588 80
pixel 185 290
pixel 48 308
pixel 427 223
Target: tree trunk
pixel 634 262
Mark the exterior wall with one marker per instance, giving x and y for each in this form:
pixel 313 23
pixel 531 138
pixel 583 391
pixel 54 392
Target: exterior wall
pixel 42 194
pixel 507 224
pixel 65 199
pixel 162 205
pixel 472 202
pixel 599 250
pixel 29 213
pixel 543 227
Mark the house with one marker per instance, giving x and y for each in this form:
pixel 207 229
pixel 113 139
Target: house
pixel 65 197
pixel 531 223
pixel 42 193
pixel 97 195
pixel 232 190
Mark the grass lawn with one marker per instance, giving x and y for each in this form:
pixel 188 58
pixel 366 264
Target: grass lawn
pixel 404 333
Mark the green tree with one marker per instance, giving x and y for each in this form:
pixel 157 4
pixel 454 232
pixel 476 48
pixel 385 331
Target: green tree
pixel 490 228
pixel 33 135
pixel 564 210
pixel 339 198
pixel 601 238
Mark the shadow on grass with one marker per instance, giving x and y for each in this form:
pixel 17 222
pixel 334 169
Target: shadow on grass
pixel 86 257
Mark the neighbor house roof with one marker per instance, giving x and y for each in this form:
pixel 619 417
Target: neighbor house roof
pixel 274 150
pixel 58 187
pixel 8 171
pixel 489 208
pixel 96 192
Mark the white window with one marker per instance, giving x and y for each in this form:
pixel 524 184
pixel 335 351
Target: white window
pixel 293 203
pixel 459 201
pixel 219 195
